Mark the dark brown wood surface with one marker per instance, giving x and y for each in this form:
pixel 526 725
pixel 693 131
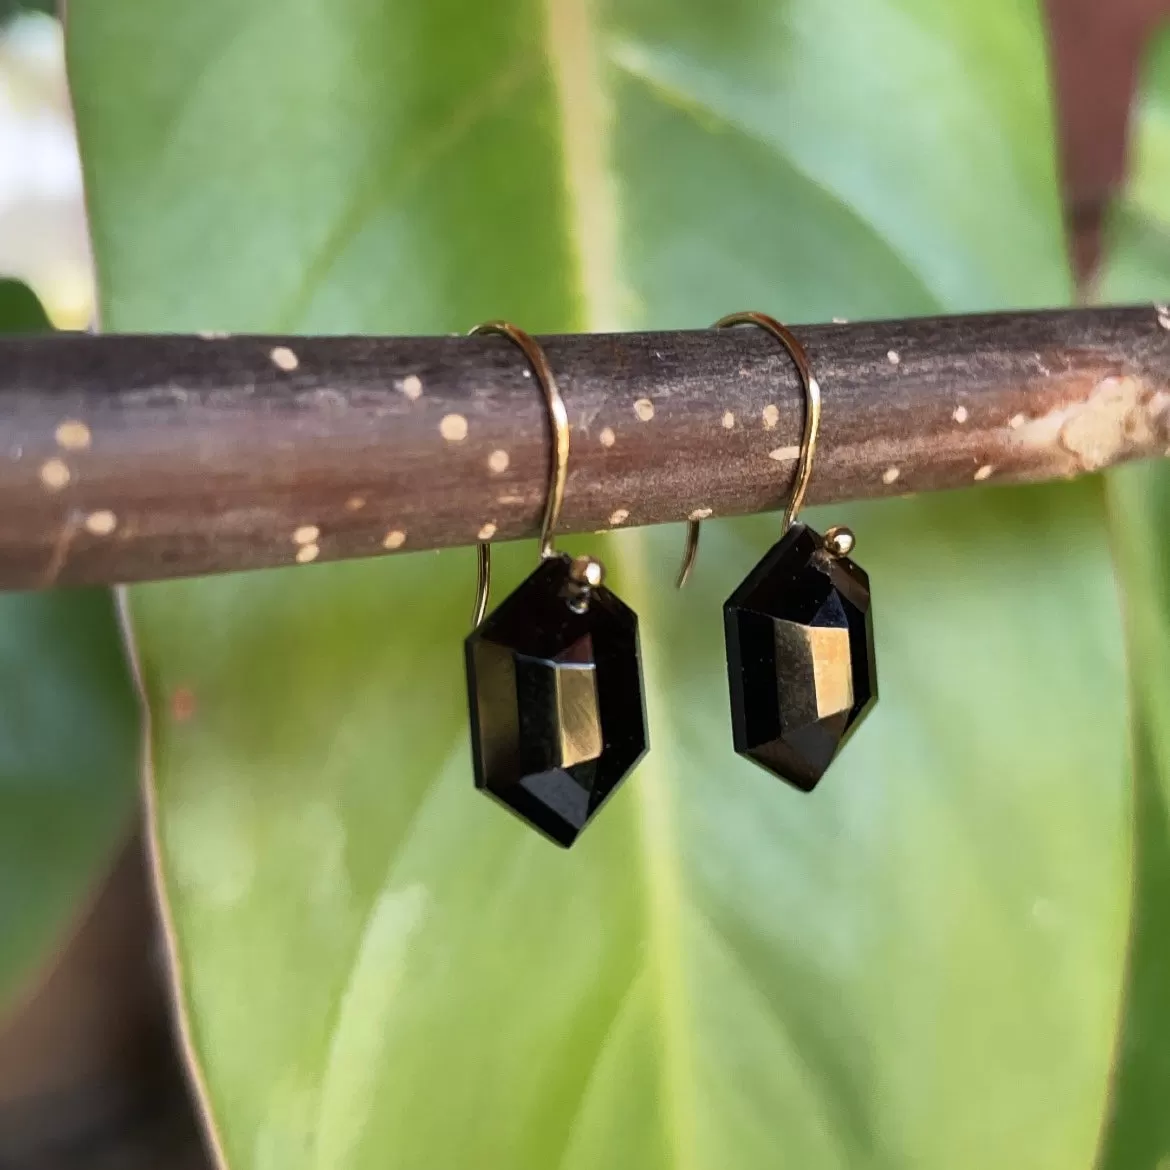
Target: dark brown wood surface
pixel 130 458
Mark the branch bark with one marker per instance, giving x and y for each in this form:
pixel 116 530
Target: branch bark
pixel 128 458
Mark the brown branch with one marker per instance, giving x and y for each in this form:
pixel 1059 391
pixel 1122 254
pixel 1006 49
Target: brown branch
pixel 129 458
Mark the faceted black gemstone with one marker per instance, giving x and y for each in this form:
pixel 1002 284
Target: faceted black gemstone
pixel 800 658
pixel 557 715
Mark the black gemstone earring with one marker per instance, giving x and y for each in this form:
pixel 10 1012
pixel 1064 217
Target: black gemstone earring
pixel 800 658
pixel 554 676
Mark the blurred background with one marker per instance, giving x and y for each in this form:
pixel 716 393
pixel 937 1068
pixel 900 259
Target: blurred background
pixel 88 1072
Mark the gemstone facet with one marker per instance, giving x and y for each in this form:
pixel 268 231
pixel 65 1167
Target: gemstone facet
pixel 554 685
pixel 800 658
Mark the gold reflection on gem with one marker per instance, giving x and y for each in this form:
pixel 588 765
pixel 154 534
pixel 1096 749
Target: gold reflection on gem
pixel 579 719
pixel 832 669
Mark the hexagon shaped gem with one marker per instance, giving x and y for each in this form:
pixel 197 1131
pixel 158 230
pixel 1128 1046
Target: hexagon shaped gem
pixel 557 713
pixel 800 659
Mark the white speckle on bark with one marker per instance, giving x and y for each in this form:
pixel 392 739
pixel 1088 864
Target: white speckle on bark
pixel 101 523
pixel 961 415
pixel 486 532
pixel 984 473
pixel 498 462
pixel 607 438
pixel 355 503
pixel 700 513
pixel 284 359
pixel 784 454
pixel 73 435
pixel 307 553
pixel 771 416
pixel 644 409
pixel 894 358
pixel 306 534
pixel 394 539
pixel 412 387
pixel 890 475
pixel 619 517
pixel 453 428
pixel 55 474
pixel 728 420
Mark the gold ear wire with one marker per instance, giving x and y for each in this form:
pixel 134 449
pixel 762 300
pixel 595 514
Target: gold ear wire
pixel 558 472
pixel 808 443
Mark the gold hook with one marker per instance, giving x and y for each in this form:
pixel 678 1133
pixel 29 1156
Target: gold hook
pixel 808 442
pixel 558 473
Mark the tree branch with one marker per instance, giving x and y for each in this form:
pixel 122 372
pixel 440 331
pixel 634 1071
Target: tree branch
pixel 129 458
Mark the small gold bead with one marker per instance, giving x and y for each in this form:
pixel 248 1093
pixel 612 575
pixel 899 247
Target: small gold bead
pixel 840 541
pixel 588 572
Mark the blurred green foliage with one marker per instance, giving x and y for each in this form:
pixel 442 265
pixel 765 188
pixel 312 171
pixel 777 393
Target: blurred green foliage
pixel 13 8
pixel 68 747
pixel 1137 268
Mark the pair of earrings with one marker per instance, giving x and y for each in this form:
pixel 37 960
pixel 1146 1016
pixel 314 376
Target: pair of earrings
pixel 554 674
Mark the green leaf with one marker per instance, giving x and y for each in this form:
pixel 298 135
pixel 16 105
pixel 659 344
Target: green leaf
pixel 20 311
pixel 1137 268
pixel 918 966
pixel 68 743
